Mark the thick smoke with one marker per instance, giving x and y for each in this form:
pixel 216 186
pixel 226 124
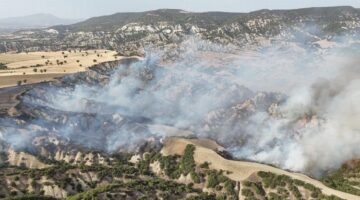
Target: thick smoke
pixel 286 105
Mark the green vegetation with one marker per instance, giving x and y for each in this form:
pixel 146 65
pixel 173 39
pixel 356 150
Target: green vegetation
pixel 121 179
pixel 170 166
pixel 256 187
pixel 247 192
pixel 90 194
pixel 205 165
pixel 285 186
pixel 30 197
pixel 3 66
pixel 346 179
pixel 174 166
pixel 213 179
pixel 187 163
pixel 195 177
pixel 204 196
pixel 140 188
pixel 335 27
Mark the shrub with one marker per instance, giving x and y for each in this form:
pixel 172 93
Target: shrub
pixel 187 163
pixel 169 164
pixel 295 192
pixel 212 180
pixel 230 187
pixel 3 66
pixel 205 165
pixel 195 177
pixel 247 192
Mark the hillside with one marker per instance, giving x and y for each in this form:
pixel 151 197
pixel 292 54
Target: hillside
pixel 130 33
pixel 185 169
pixel 170 104
pixel 241 171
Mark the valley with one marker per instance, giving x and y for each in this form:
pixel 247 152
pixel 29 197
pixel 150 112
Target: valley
pixel 171 104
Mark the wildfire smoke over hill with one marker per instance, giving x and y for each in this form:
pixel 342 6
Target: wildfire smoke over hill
pixel 291 107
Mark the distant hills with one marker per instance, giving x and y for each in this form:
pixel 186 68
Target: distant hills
pixel 129 33
pixel 33 21
pixel 211 19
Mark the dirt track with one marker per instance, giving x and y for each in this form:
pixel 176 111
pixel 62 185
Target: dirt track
pixel 241 169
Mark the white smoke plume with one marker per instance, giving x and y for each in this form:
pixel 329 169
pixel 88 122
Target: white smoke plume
pixel 201 86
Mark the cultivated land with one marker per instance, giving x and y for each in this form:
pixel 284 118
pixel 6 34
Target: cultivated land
pixel 34 67
pixel 241 170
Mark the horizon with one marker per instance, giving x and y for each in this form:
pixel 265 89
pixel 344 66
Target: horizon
pixel 209 11
pixel 83 9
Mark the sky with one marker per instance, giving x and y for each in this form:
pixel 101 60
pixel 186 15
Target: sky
pixel 81 9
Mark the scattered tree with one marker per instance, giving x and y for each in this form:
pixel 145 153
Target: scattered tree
pixel 3 66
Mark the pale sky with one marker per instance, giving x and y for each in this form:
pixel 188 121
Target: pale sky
pixel 89 8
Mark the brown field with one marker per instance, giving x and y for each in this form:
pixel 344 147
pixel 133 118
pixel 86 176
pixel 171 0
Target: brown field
pixel 36 67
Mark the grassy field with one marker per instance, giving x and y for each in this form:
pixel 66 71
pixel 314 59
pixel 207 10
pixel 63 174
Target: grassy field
pixel 33 67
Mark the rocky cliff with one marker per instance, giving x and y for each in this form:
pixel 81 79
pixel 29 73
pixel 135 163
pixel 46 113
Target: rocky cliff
pixel 130 33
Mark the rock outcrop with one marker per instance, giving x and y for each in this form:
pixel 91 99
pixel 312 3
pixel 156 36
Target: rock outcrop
pixel 130 33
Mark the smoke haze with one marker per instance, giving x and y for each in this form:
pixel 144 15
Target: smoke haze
pixel 290 106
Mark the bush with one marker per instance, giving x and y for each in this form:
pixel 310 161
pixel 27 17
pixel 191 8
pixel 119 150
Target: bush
pixel 203 196
pixel 195 177
pixel 144 167
pixel 170 166
pixel 187 163
pixel 213 180
pixel 230 187
pixel 295 192
pixel 205 165
pixel 3 66
pixel 247 192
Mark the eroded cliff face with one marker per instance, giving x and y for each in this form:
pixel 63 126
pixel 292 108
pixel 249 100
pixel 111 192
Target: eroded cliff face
pixel 130 33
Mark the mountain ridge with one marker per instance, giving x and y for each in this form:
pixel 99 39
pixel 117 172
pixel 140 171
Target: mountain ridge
pixel 129 33
pixel 33 21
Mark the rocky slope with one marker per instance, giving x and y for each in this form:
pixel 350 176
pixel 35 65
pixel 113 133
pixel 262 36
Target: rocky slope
pixel 130 33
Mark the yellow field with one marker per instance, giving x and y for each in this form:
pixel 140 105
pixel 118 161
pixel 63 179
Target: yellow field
pixel 43 66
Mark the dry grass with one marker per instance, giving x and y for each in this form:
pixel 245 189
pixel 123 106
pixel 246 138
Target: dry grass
pixel 43 66
pixel 241 170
